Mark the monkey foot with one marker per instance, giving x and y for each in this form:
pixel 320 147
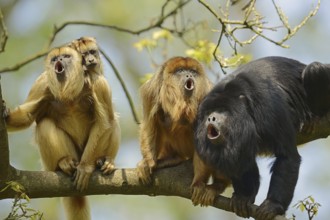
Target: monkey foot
pixel 203 195
pixel 67 165
pixel 144 172
pixel 108 166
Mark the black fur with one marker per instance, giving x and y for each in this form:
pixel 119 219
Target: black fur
pixel 316 79
pixel 258 109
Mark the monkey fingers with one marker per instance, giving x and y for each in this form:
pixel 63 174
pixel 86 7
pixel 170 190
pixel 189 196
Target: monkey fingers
pixel 144 172
pixel 67 165
pixel 197 194
pixel 82 176
pixel 108 166
pixel 268 210
pixel 240 205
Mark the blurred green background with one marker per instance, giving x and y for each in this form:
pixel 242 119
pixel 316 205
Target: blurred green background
pixel 30 24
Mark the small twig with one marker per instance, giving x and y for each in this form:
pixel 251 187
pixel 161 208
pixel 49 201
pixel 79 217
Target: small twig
pixel 156 24
pixel 24 62
pixel 4 33
pixel 128 96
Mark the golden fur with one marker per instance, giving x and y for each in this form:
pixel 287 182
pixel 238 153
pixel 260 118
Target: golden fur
pixel 166 133
pixel 74 129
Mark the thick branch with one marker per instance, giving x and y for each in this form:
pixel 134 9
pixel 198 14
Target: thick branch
pixel 174 181
pixel 4 151
pixel 3 33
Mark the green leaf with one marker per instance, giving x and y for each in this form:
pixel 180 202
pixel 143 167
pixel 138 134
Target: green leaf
pixel 302 207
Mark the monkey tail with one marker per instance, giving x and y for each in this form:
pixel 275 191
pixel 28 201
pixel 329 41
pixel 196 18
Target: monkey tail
pixel 76 208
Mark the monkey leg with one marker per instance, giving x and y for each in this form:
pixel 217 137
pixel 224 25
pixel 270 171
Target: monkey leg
pixel 201 176
pixel 202 193
pixel 109 144
pixel 56 148
pixel 58 152
pixel 104 146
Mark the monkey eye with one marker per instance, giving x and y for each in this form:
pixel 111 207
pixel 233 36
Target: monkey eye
pixel 67 55
pixel 53 59
pixel 92 52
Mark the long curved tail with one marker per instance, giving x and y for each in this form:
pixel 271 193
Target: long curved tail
pixel 76 208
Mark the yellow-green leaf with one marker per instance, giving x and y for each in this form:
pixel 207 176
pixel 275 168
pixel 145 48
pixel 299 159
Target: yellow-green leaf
pixel 145 44
pixel 162 34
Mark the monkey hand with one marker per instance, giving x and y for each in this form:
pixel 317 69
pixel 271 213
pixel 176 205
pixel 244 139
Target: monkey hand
pixel 5 110
pixel 82 175
pixel 105 164
pixel 241 205
pixel 269 209
pixel 203 195
pixel 144 171
pixel 68 165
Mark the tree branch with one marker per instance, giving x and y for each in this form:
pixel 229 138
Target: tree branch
pixel 174 181
pixel 4 149
pixel 3 33
pixel 123 85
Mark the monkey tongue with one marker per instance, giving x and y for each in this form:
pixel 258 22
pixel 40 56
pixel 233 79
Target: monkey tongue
pixel 59 67
pixel 212 132
pixel 189 85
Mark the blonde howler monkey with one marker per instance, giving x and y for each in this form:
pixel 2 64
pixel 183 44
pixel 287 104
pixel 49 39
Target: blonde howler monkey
pixel 93 68
pixel 170 100
pixel 73 130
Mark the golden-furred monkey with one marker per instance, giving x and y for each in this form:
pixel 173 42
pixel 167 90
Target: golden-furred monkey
pixel 73 129
pixel 170 100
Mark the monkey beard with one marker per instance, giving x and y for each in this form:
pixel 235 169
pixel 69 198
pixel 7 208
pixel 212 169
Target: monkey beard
pixel 182 110
pixel 65 81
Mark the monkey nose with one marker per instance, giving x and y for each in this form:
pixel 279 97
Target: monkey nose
pixel 189 85
pixel 59 68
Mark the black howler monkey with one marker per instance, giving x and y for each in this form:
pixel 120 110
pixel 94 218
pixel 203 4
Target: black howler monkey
pixel 258 109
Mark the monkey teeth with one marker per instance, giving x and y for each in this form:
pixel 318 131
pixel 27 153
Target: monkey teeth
pixel 59 68
pixel 189 85
pixel 212 132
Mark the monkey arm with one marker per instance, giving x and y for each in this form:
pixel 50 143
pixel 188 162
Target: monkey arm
pixel 22 116
pixel 88 159
pixel 104 94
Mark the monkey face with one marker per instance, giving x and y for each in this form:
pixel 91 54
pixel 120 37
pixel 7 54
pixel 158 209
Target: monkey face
pixel 60 64
pixel 87 46
pixel 187 80
pixel 213 125
pixel 64 72
pixel 182 83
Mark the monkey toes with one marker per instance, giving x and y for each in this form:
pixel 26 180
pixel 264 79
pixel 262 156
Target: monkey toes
pixel 82 175
pixel 203 195
pixel 144 172
pixel 67 165
pixel 268 210
pixel 106 165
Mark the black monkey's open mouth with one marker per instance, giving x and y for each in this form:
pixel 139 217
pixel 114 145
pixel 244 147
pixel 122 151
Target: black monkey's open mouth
pixel 189 85
pixel 59 68
pixel 212 132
